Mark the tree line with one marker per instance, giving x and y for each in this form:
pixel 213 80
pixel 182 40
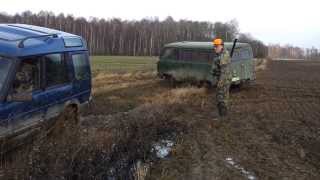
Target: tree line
pixel 136 38
pixel 312 53
pixel 293 52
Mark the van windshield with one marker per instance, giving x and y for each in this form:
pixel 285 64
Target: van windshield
pixel 169 54
pixel 4 70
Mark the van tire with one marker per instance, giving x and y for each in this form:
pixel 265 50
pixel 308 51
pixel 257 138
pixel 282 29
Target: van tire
pixel 170 80
pixel 245 84
pixel 173 81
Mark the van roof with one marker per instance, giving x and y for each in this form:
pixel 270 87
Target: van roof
pixel 18 40
pixel 203 45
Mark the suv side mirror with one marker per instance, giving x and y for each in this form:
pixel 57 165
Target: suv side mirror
pixel 20 97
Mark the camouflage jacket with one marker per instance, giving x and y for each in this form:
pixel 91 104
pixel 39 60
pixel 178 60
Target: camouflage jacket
pixel 222 65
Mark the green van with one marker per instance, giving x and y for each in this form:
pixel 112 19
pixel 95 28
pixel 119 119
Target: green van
pixel 193 61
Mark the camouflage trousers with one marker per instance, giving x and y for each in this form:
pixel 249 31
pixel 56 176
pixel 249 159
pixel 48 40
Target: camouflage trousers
pixel 223 87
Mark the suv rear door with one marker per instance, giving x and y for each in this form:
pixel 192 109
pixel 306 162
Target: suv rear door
pixel 82 75
pixel 57 83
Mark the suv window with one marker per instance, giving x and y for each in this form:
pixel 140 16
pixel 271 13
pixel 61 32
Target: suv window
pixel 4 70
pixel 81 65
pixel 56 69
pixel 27 78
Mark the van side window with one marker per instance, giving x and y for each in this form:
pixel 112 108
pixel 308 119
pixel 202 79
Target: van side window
pixel 56 69
pixel 236 55
pixel 81 65
pixel 245 54
pixel 196 56
pixel 186 55
pixel 169 54
pixel 27 78
pixel 206 57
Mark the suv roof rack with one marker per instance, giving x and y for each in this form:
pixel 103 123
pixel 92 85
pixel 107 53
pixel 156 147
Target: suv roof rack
pixel 21 41
pixel 27 28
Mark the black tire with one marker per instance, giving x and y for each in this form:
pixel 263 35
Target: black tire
pixel 170 80
pixel 208 85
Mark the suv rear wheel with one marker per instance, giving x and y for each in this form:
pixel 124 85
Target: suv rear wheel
pixel 67 122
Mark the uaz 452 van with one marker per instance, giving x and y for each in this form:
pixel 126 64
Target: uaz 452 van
pixel 184 61
pixel 43 73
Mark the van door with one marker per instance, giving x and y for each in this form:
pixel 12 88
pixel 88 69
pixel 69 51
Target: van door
pixel 243 69
pixel 247 63
pixel 242 64
pixel 168 61
pixel 82 76
pixel 236 67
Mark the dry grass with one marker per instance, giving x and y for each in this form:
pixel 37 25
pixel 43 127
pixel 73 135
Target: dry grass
pixel 108 82
pixel 184 95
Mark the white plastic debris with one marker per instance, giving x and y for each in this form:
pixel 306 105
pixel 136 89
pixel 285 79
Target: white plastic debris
pixel 248 174
pixel 163 148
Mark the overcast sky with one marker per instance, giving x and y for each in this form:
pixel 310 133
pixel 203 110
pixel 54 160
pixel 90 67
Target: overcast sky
pixel 273 21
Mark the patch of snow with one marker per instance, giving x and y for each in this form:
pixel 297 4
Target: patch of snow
pixel 162 148
pixel 248 174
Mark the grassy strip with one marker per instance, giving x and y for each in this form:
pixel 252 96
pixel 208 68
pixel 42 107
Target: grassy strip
pixel 118 64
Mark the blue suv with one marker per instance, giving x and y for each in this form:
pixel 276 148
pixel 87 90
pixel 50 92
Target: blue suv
pixel 43 73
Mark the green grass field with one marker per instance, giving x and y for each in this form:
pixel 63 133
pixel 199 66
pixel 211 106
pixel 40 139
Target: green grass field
pixel 122 64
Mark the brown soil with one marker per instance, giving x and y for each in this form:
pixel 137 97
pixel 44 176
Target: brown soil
pixel 272 131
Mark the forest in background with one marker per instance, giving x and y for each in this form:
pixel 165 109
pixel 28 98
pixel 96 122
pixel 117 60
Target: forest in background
pixel 146 37
pixel 136 38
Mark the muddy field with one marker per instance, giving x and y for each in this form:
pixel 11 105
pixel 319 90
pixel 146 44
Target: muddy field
pixel 272 131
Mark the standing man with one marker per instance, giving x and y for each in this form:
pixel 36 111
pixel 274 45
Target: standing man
pixel 222 62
